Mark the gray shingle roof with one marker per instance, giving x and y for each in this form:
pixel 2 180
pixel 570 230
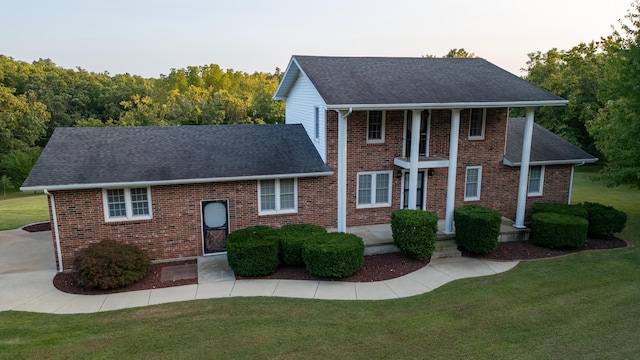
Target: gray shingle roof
pixel 547 148
pixel 387 81
pixel 82 157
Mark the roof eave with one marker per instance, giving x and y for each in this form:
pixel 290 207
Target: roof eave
pixel 170 182
pixel 288 79
pixel 508 162
pixel 456 105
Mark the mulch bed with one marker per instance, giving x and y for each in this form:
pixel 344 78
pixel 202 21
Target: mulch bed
pixel 66 281
pixel 45 226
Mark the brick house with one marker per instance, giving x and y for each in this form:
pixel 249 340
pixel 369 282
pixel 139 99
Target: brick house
pixel 364 136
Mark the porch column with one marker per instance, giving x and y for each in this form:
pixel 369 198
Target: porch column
pixel 342 170
pixel 524 169
pixel 451 176
pixel 413 158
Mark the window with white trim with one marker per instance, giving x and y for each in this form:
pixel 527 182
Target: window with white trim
pixel 277 196
pixel 127 204
pixel 472 182
pixel 477 120
pixel 374 189
pixel 375 126
pixel 536 180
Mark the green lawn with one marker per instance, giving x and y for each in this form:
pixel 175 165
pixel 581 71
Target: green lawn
pixel 19 209
pixel 583 306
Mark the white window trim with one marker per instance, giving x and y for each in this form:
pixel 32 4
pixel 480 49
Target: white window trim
pixel 484 123
pixel 373 203
pixel 277 210
pixel 381 140
pixel 128 205
pixel 466 173
pixel 540 190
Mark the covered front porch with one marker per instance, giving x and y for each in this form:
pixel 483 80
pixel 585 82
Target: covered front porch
pixel 378 239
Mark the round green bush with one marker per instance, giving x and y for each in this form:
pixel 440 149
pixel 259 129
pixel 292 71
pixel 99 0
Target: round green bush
pixel 477 228
pixel 558 230
pixel 604 221
pixel 333 255
pixel 290 240
pixel 253 251
pixel 414 232
pixel 109 265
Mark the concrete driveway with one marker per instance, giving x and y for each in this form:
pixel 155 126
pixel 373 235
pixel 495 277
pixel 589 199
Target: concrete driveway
pixel 22 251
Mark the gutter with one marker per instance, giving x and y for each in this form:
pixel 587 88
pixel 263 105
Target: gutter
pixel 454 105
pixel 578 162
pixel 55 229
pixel 170 182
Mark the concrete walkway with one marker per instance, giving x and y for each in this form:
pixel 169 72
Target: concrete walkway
pixel 27 269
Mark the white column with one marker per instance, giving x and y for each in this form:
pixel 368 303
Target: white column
pixel 524 168
pixel 342 170
pixel 413 158
pixel 453 165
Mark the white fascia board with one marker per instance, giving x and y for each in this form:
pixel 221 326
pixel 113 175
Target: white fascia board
pixel 508 162
pixel 170 182
pixel 286 81
pixel 461 105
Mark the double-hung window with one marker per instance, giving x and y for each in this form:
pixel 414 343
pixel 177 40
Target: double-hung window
pixel 374 189
pixel 375 126
pixel 277 196
pixel 536 180
pixel 127 204
pixel 477 120
pixel 472 183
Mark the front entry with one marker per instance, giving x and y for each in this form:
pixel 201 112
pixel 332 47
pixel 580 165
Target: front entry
pixel 215 226
pixel 420 194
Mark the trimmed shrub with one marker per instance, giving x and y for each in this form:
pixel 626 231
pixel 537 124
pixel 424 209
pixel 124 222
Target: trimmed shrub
pixel 558 230
pixel 109 265
pixel 477 228
pixel 604 220
pixel 414 232
pixel 560 208
pixel 290 240
pixel 334 255
pixel 253 251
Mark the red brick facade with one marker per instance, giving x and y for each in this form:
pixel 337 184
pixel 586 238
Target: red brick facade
pixel 175 231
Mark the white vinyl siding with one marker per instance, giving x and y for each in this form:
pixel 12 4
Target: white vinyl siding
pixel 277 196
pixel 536 180
pixel 374 189
pixel 477 123
pixel 127 204
pixel 301 105
pixel 472 183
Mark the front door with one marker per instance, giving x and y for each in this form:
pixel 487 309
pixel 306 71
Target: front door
pixel 419 191
pixel 215 226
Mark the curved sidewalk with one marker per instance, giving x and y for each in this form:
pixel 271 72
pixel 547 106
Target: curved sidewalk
pixel 34 291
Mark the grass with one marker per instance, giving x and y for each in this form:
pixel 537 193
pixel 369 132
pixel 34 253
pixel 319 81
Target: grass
pixel 19 209
pixel 581 306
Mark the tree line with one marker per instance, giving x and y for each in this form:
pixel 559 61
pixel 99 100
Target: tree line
pixel 36 98
pixel 600 79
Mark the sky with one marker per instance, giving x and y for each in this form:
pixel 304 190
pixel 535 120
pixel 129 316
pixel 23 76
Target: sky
pixel 149 38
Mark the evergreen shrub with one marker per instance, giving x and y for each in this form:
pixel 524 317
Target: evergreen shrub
pixel 560 208
pixel 604 220
pixel 414 232
pixel 477 228
pixel 555 230
pixel 333 255
pixel 290 240
pixel 109 265
pixel 253 251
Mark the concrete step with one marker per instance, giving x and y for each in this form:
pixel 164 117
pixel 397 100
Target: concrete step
pixel 446 249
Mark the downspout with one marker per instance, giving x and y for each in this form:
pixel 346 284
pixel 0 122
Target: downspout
pixel 55 229
pixel 342 170
pixel 571 181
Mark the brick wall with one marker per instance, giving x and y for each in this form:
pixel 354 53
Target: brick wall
pixel 176 228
